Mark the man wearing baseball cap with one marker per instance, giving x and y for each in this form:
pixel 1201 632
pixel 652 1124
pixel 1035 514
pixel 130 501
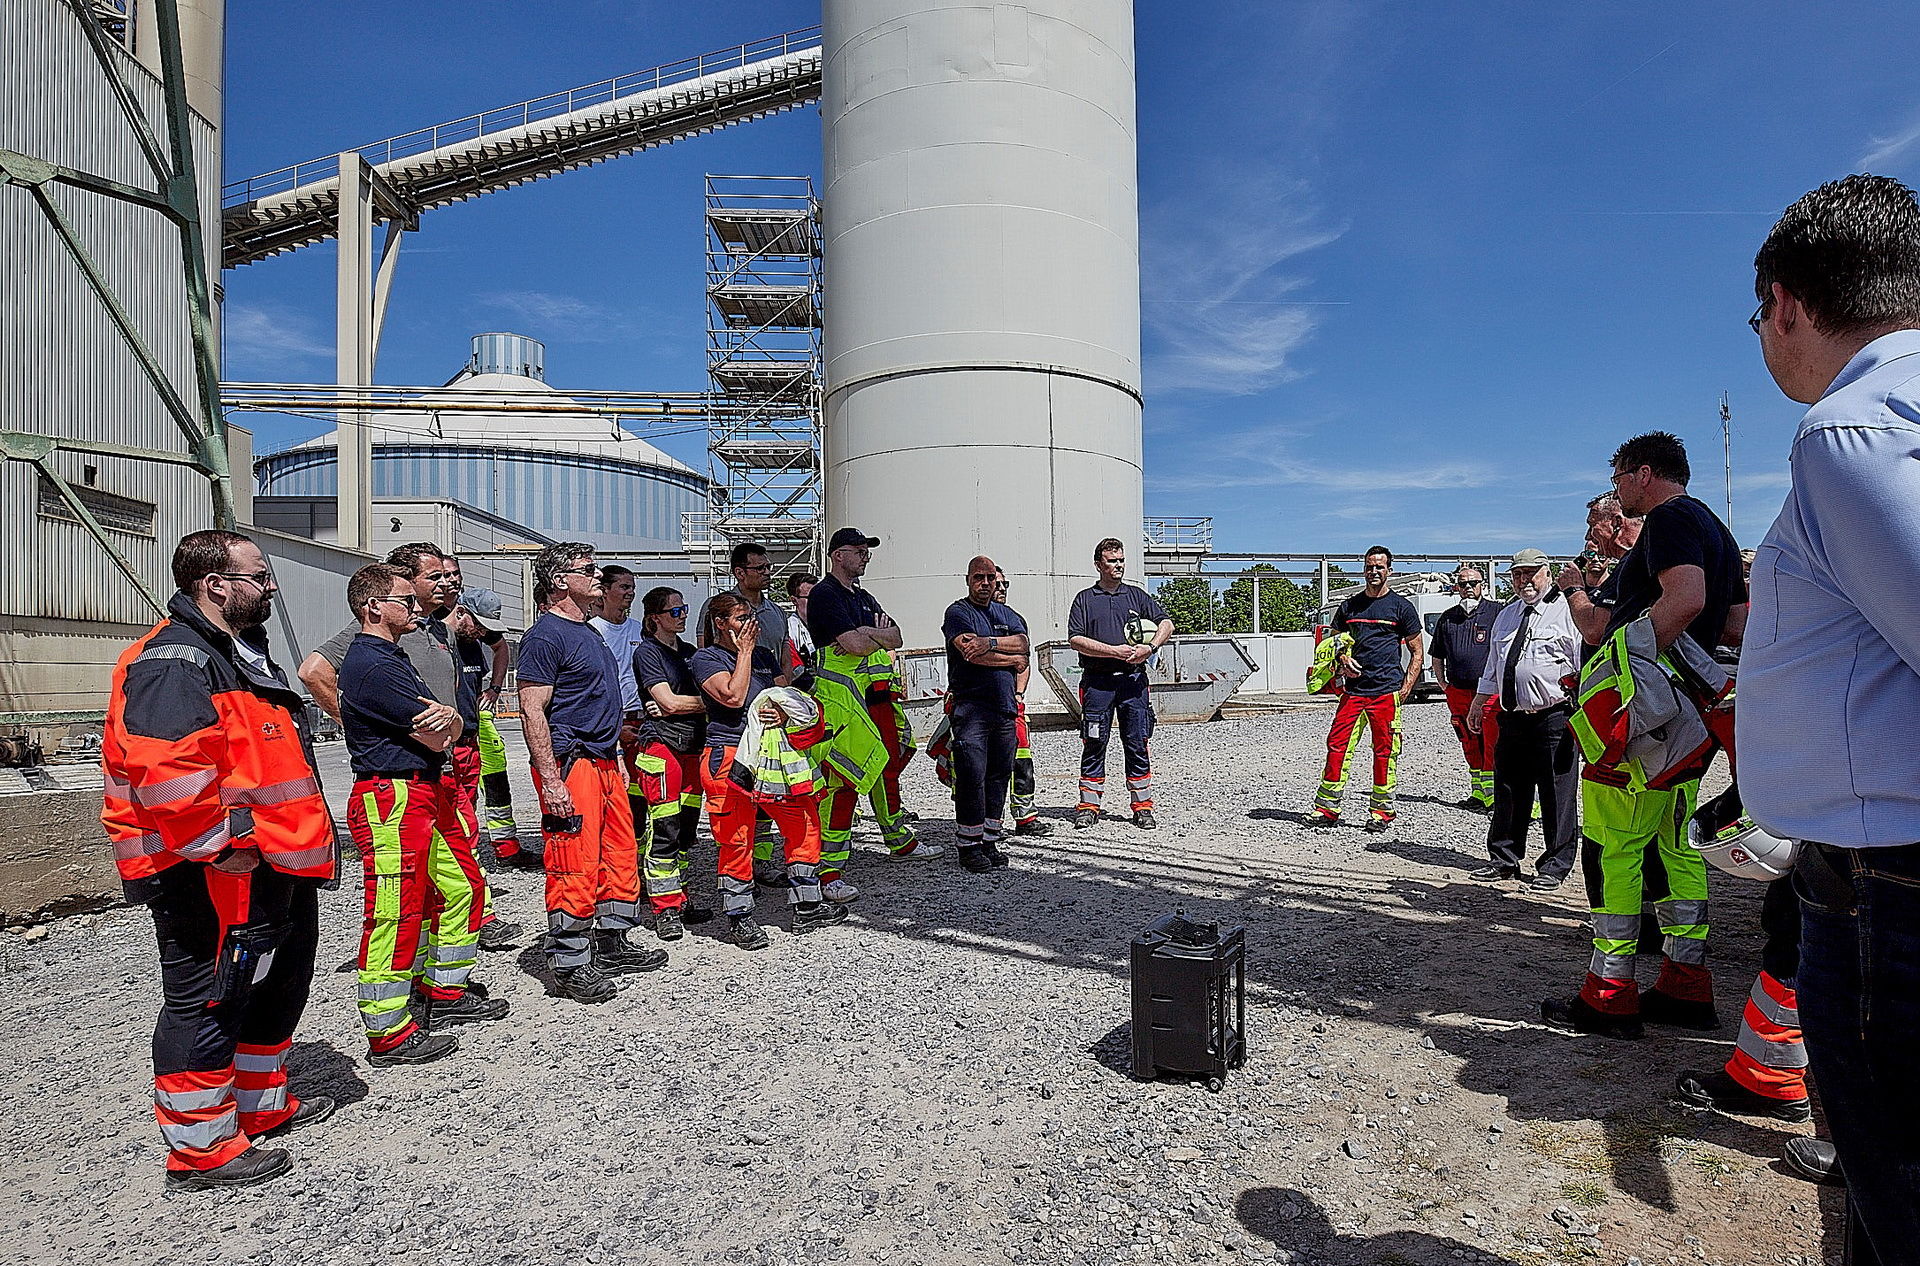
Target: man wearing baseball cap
pixel 480 639
pixel 856 640
pixel 1533 662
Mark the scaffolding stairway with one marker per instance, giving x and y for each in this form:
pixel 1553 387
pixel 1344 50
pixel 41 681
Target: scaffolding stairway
pixel 451 162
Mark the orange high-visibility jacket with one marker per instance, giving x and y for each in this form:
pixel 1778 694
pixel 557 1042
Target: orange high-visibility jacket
pixel 201 753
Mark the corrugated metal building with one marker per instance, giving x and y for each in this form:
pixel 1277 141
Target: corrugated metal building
pixel 562 475
pixel 65 610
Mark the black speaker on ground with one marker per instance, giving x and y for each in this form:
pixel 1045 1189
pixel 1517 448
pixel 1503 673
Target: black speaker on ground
pixel 1189 1000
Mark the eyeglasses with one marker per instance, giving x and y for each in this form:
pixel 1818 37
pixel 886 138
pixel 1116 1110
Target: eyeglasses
pixel 579 571
pixel 678 613
pixel 1618 475
pixel 261 578
pixel 1759 317
pixel 410 603
pixel 755 567
pixel 1471 584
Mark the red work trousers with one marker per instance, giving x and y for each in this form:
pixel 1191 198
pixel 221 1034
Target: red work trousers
pixel 731 810
pixel 593 876
pixel 1383 727
pixel 1477 748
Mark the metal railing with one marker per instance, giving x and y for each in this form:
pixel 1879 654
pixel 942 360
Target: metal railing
pixel 1179 534
pixel 553 105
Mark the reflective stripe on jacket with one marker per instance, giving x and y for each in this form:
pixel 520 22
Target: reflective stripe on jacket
pixel 1641 712
pixel 200 752
pixel 852 752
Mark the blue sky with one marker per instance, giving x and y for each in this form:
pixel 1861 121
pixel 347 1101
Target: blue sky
pixel 1409 271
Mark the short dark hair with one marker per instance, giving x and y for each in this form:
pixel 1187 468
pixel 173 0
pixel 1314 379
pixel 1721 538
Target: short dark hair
pixel 409 557
pixel 372 581
pixel 1849 251
pixel 1377 549
pixel 554 559
pixel 1112 542
pixel 743 551
pixel 1662 451
pixel 201 554
pixel 800 578
pixel 611 572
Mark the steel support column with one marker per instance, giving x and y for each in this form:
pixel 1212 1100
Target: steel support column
pixel 353 350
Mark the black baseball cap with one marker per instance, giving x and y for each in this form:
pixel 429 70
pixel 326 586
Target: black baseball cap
pixel 851 536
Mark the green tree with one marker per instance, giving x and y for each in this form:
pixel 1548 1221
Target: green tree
pixel 1284 606
pixel 1189 602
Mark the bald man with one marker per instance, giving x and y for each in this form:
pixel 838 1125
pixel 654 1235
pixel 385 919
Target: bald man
pixel 987 649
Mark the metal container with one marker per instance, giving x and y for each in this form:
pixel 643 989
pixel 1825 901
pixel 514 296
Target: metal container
pixel 990 405
pixel 1190 679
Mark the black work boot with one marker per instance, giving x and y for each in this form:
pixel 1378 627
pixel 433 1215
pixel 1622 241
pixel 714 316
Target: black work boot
pixel 1719 1091
pixel 312 1111
pixel 1580 1017
pixel 471 1007
pixel 748 934
pixel 615 954
pixel 498 934
pixel 1660 1007
pixel 667 925
pixel 587 983
pixel 421 1047
pixel 1814 1160
pixel 1033 826
pixel 256 1164
pixel 808 915
pixel 974 858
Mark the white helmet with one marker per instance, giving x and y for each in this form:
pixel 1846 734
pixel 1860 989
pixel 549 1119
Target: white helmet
pixel 1728 840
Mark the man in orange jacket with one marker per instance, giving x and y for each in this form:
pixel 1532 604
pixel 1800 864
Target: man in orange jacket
pixel 219 828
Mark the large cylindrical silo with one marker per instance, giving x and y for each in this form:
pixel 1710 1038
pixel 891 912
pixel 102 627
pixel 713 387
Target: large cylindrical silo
pixel 982 295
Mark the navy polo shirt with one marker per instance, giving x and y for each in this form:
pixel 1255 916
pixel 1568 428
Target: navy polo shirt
pixel 725 725
pixel 833 609
pixel 584 715
pixel 380 694
pixel 976 683
pixel 1461 641
pixel 1104 617
pixel 1379 626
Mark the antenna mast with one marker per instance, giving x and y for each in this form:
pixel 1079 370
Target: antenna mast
pixel 1726 448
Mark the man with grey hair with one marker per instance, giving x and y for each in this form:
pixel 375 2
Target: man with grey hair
pixel 570 715
pixel 1533 661
pixel 1461 638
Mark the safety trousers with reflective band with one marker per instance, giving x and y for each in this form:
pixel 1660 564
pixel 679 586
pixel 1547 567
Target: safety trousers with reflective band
pixel 1770 1058
pixel 732 811
pixel 219 1071
pixel 495 787
pixel 642 767
pixel 399 826
pixel 1107 699
pixel 463 781
pixel 1382 715
pixel 1621 824
pixel 836 833
pixel 672 798
pixel 593 877
pixel 1021 796
pixel 1477 748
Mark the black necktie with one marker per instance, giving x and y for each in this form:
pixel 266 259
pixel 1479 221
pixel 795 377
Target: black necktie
pixel 1508 691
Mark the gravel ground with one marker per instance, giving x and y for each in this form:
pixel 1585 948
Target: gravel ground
pixel 943 1079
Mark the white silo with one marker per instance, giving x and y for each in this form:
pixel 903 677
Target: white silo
pixel 982 295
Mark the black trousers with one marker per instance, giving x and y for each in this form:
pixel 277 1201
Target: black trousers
pixel 192 1036
pixel 1535 756
pixel 983 746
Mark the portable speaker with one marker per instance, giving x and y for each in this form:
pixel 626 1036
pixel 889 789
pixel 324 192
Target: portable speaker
pixel 1189 1000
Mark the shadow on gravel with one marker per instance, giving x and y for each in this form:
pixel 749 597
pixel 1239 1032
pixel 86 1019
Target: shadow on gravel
pixel 1291 1220
pixel 1459 965
pixel 317 1068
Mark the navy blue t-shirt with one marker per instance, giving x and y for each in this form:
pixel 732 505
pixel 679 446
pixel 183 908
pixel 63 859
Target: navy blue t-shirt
pixel 1461 641
pixel 724 724
pixel 655 665
pixel 833 609
pixel 1681 532
pixel 584 715
pixel 1104 617
pixel 1378 626
pixel 975 683
pixel 380 694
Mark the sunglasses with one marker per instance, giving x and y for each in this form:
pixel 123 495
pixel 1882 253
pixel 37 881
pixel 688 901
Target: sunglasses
pixel 678 613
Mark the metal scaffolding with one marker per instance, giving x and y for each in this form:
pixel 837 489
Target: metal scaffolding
pixel 764 362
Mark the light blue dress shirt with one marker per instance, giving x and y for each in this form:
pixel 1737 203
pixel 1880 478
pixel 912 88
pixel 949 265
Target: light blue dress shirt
pixel 1827 720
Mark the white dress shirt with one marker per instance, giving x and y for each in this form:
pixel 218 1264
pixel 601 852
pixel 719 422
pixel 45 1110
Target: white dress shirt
pixel 1550 654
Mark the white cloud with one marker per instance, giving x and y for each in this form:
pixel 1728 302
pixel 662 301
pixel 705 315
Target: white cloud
pixel 1883 150
pixel 270 335
pixel 1258 458
pixel 558 316
pixel 1221 318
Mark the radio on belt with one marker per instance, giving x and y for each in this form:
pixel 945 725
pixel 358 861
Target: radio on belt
pixel 1189 1000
